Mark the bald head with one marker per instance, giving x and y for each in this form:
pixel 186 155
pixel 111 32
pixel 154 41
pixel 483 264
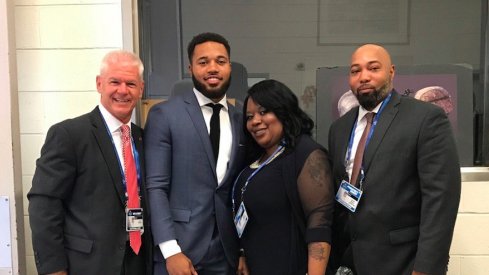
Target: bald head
pixel 370 53
pixel 371 75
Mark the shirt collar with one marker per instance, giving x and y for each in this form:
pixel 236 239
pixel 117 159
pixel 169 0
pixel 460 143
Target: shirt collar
pixel 111 121
pixel 362 111
pixel 203 100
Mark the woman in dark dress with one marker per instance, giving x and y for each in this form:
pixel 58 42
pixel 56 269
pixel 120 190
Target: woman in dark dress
pixel 282 202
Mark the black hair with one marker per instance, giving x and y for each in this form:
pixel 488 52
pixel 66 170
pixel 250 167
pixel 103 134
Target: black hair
pixel 277 98
pixel 206 37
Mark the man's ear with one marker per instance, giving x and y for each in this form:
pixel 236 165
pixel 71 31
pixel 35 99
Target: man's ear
pixel 392 72
pixel 142 90
pixel 98 81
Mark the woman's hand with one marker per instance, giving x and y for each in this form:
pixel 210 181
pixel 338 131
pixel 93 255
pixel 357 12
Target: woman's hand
pixel 242 267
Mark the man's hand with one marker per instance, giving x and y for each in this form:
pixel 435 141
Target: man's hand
pixel 62 272
pixel 418 273
pixel 242 267
pixel 179 264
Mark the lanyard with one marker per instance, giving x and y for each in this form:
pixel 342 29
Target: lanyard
pixel 370 133
pixel 243 189
pixel 135 154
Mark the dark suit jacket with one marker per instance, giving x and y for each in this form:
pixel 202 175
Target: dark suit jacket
pixel 406 215
pixel 183 194
pixel 77 201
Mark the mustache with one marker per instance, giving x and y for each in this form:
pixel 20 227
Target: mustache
pixel 365 86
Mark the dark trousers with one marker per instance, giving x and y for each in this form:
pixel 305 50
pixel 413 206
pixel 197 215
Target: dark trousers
pixel 133 264
pixel 213 263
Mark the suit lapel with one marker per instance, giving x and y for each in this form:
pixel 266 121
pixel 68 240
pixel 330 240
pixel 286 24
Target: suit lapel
pixel 234 119
pixel 383 124
pixel 195 113
pixel 345 132
pixel 107 149
pixel 138 141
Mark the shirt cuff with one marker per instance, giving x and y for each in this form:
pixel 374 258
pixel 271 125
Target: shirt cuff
pixel 169 248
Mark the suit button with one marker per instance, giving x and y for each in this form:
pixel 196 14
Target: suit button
pixel 354 237
pixel 121 247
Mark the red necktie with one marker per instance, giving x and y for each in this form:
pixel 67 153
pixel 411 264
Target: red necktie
pixel 357 162
pixel 131 183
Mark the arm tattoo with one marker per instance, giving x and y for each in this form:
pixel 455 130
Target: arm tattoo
pixel 316 251
pixel 315 164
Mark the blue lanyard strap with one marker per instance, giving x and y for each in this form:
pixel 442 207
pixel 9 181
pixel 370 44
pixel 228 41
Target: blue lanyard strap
pixel 136 159
pixel 370 133
pixel 243 189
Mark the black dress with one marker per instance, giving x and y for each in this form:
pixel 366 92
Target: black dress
pixel 273 240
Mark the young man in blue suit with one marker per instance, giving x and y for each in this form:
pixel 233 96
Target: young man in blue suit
pixel 190 173
pixel 398 218
pixel 78 203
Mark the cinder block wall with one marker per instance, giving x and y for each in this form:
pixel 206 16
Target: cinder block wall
pixel 59 47
pixel 469 254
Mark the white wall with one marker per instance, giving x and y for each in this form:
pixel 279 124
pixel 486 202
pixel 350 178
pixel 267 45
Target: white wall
pixel 470 246
pixel 60 44
pixel 11 251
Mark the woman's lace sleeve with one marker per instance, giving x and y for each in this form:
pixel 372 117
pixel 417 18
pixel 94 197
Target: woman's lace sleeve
pixel 316 190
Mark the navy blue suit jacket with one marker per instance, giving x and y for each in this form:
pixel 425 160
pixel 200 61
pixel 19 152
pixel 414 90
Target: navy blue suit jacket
pixel 181 178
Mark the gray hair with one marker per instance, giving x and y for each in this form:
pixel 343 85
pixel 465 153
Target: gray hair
pixel 122 56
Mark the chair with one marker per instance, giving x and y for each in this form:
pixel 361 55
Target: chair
pixel 181 86
pixel 239 82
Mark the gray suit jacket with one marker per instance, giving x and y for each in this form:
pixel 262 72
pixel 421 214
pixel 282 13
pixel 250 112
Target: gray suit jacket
pixel 181 178
pixel 77 201
pixel 406 215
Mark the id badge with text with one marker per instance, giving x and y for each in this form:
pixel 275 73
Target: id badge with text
pixel 134 219
pixel 241 219
pixel 348 195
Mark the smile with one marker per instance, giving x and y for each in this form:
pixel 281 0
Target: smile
pixel 213 79
pixel 259 132
pixel 122 100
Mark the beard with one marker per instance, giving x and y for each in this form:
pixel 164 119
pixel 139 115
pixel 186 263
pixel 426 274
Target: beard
pixel 370 100
pixel 211 94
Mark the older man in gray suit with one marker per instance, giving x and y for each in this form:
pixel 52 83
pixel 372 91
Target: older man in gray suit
pixel 81 197
pixel 194 152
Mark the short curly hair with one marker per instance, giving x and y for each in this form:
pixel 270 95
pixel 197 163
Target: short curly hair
pixel 206 37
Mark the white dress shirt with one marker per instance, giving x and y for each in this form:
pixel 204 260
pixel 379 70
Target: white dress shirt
pixel 226 137
pixel 114 126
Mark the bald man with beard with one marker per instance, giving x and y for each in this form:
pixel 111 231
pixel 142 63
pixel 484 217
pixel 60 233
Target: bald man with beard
pixel 398 216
